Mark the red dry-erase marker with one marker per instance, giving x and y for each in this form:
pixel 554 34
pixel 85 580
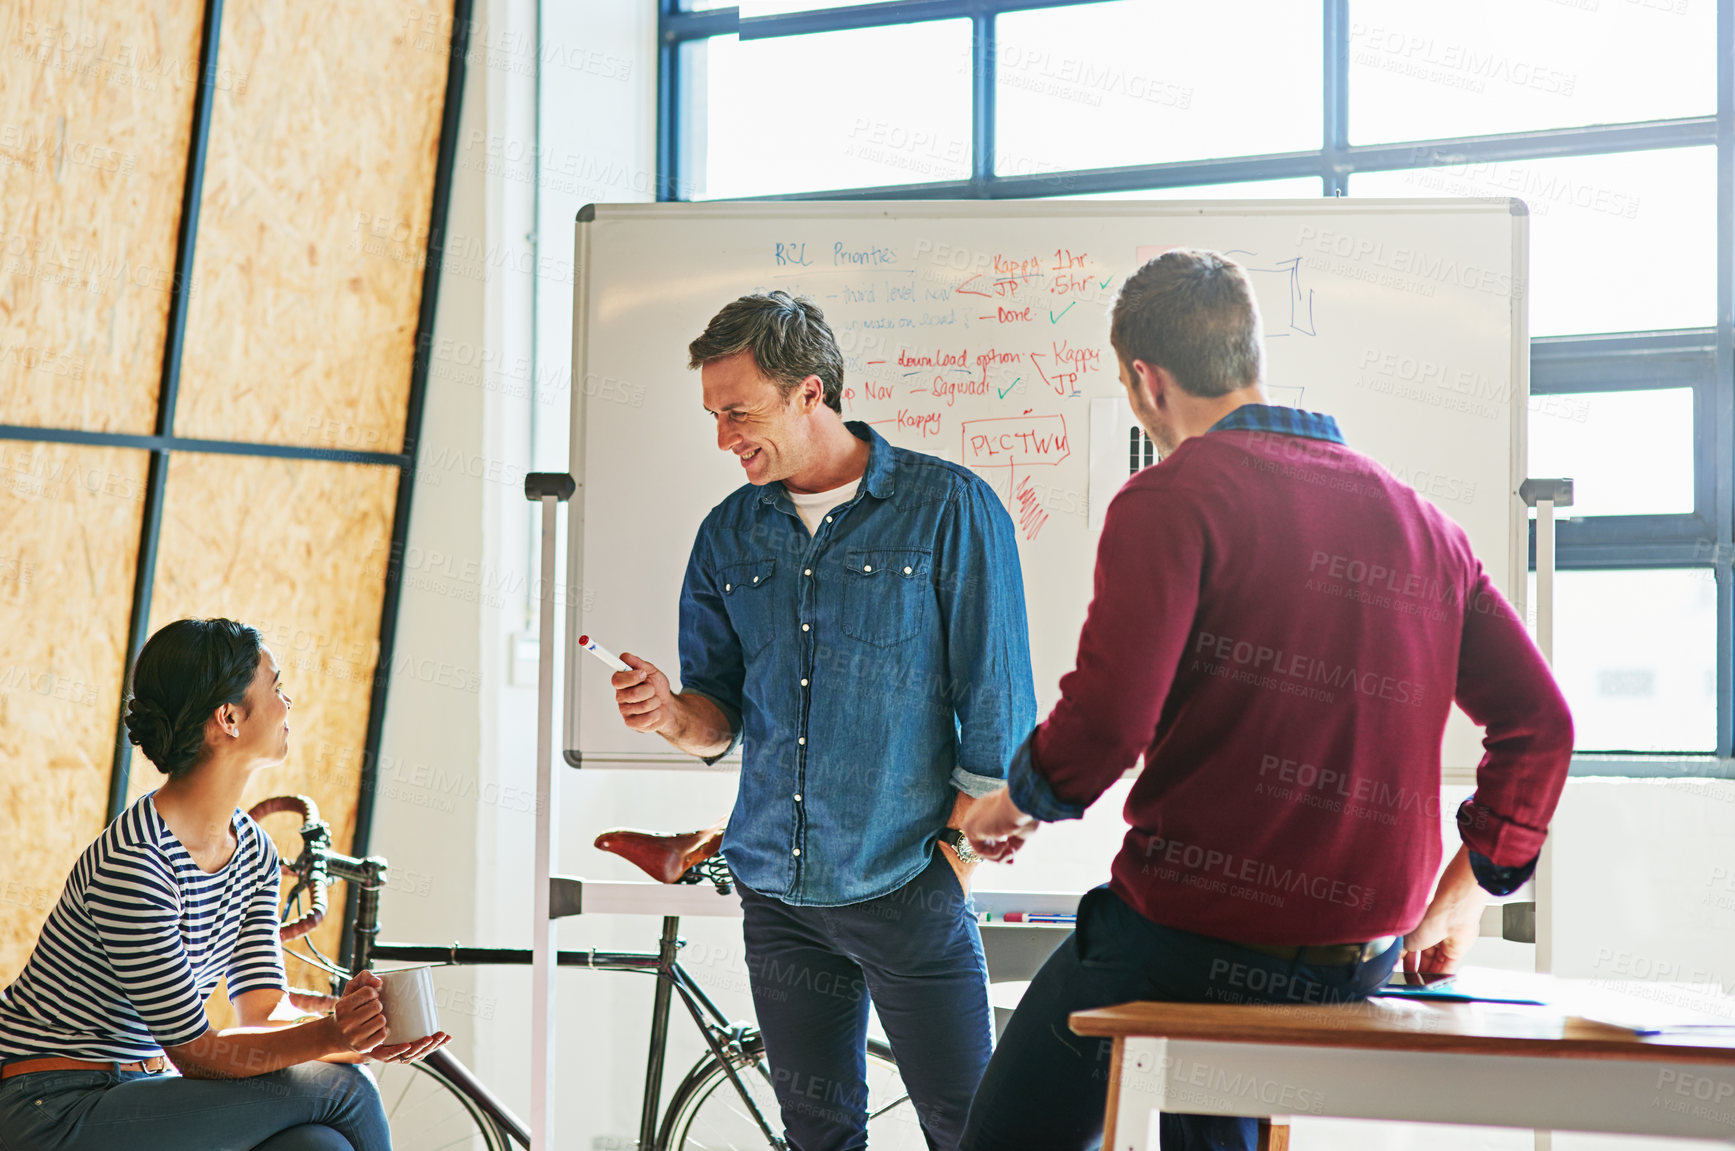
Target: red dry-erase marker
pixel 602 653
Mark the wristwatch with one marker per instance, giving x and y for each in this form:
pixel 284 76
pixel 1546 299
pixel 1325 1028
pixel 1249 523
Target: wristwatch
pixel 960 843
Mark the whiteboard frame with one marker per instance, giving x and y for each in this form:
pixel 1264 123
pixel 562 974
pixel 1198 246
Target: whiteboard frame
pixel 1518 551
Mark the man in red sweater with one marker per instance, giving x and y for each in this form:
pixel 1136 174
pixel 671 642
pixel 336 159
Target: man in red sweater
pixel 1280 628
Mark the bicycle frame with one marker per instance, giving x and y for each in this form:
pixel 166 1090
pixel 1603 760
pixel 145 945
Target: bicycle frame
pixel 723 1038
pixel 367 876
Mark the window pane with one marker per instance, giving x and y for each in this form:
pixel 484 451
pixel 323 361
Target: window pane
pixel 1618 243
pixel 1635 653
pixel 1299 188
pixel 1422 71
pixel 1595 438
pixel 759 9
pixel 1132 82
pixel 809 113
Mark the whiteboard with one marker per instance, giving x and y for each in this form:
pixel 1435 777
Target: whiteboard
pixel 978 331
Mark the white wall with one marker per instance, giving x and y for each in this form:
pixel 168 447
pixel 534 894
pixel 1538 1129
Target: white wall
pixel 1638 860
pixel 457 777
pixel 457 781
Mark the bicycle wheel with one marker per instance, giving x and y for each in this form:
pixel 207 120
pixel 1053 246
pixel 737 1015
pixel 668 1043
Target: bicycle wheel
pixel 428 1112
pixel 707 1114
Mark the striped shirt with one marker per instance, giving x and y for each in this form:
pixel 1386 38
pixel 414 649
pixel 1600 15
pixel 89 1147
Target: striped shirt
pixel 139 940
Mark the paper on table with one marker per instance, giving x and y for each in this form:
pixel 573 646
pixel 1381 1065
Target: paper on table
pixel 1648 1008
pixel 1476 985
pixel 1641 1007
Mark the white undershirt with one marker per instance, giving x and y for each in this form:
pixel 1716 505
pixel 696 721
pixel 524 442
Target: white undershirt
pixel 813 507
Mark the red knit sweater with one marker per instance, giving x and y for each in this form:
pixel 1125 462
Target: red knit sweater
pixel 1280 627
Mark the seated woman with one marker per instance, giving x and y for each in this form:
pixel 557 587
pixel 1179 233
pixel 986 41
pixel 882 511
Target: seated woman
pixel 180 890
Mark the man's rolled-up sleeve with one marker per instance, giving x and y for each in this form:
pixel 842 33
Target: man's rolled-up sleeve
pixel 980 587
pixel 712 663
pixel 1030 791
pixel 1500 880
pixel 1505 687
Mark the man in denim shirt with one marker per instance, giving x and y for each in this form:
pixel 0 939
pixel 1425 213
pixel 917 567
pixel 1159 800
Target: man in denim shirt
pixel 854 617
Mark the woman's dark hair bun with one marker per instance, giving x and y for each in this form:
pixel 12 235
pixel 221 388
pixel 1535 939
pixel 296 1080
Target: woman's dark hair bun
pixel 150 729
pixel 186 671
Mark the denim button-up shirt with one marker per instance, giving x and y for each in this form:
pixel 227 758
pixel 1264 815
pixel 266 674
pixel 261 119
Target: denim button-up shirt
pixel 870 670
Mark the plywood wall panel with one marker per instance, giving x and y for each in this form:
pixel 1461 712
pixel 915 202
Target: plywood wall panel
pixel 314 224
pixel 69 537
pixel 96 106
pixel 296 548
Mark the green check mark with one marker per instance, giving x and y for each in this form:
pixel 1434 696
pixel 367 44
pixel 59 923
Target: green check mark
pixel 1106 282
pixel 1054 319
pixel 1010 386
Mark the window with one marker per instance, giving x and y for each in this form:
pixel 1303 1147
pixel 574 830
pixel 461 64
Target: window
pixel 1628 453
pixel 1617 242
pixel 1602 117
pixel 1300 187
pixel 1474 67
pixel 1635 653
pixel 1098 85
pixel 830 119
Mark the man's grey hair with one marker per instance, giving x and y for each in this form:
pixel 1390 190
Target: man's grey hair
pixel 786 334
pixel 1191 312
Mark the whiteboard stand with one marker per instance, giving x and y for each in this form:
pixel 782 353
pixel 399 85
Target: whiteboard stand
pixel 1545 496
pixel 551 489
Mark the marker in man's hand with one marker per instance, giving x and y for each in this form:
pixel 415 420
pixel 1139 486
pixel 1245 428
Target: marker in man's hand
pixel 602 653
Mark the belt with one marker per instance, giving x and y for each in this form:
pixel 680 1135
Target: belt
pixel 155 1065
pixel 1325 954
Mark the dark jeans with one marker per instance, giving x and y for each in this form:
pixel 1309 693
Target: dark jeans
pixel 917 954
pixel 308 1107
pixel 1047 1088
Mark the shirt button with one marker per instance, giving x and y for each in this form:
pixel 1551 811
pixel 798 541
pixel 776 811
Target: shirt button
pixel 827 520
pixel 804 627
pixel 809 571
pixel 802 740
pixel 867 567
pixel 728 587
pixel 804 683
pixel 907 571
pixel 797 851
pixel 756 578
pixel 798 797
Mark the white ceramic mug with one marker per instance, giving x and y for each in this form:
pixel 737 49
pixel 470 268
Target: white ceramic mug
pixel 407 997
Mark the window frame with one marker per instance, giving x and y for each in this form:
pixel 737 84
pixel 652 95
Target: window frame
pixel 1700 358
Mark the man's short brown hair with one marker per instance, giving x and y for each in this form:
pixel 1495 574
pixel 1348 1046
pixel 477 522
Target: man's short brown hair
pixel 1192 313
pixel 788 337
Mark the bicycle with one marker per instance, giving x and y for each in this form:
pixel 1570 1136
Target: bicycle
pixel 725 1100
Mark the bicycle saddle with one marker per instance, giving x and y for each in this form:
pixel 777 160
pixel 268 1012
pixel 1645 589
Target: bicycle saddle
pixel 662 856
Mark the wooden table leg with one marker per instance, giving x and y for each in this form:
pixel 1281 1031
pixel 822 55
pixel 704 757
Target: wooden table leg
pixel 1114 1093
pixel 1273 1135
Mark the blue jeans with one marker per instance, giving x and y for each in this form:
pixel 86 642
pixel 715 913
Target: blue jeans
pixel 917 955
pixel 1048 1088
pixel 308 1107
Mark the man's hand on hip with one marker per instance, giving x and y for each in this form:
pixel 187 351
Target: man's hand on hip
pixel 996 828
pixel 959 868
pixel 960 811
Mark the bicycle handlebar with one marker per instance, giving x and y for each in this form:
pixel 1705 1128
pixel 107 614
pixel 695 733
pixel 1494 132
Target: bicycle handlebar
pixel 315 838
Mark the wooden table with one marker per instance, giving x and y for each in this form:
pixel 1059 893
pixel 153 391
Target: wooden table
pixel 1473 1063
